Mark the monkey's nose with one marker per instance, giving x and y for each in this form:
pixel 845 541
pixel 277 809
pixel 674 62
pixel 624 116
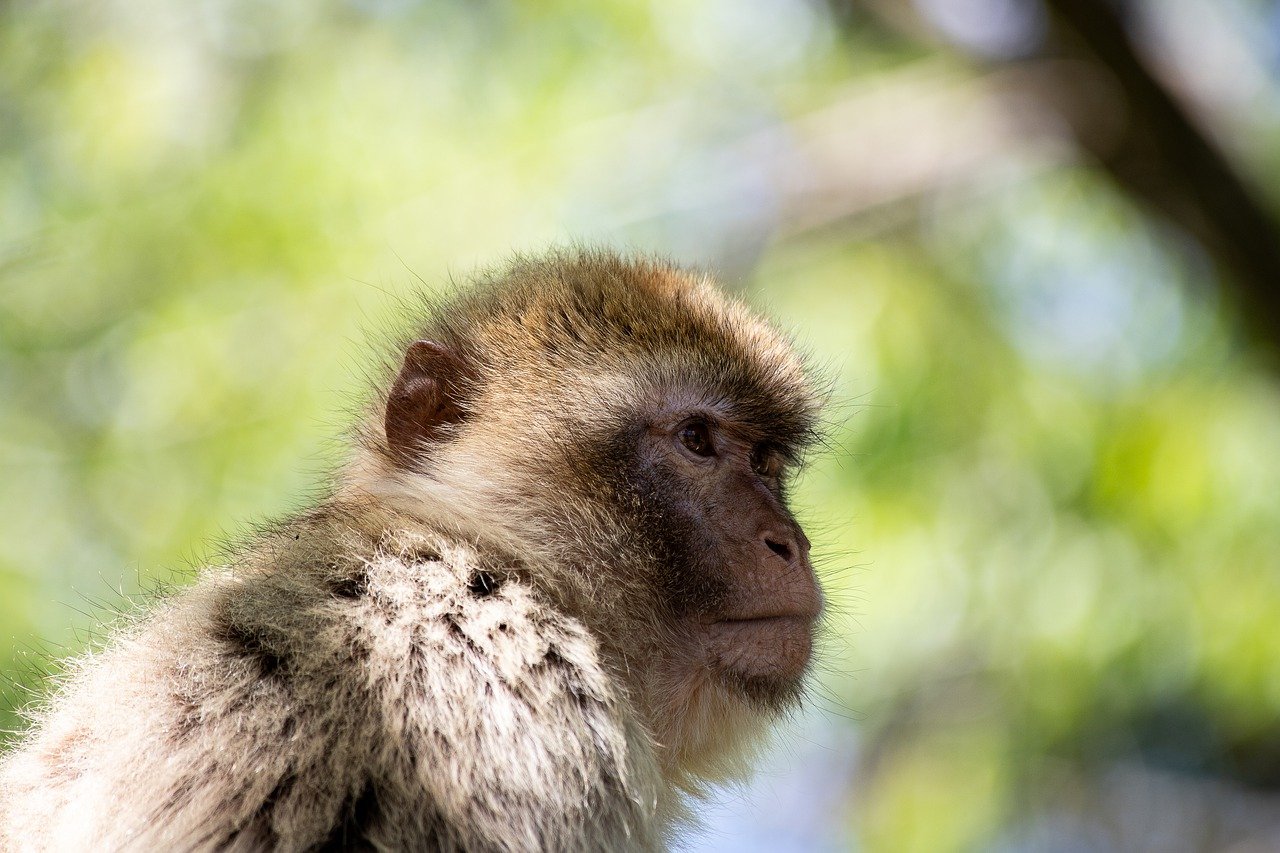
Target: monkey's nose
pixel 784 546
pixel 782 549
pixel 787 544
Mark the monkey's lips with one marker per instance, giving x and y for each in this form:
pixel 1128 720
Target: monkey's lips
pixel 773 648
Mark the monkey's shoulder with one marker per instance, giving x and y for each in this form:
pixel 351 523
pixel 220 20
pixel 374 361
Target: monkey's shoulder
pixel 412 694
pixel 499 703
pixel 401 601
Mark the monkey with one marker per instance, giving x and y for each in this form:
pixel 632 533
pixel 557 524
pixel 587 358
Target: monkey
pixel 554 593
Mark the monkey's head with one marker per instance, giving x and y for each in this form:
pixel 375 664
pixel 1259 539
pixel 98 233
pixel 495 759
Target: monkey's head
pixel 628 432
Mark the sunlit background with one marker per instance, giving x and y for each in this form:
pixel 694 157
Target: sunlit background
pixel 1037 272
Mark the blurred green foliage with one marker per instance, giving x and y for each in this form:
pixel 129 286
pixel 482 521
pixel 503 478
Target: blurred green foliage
pixel 1048 517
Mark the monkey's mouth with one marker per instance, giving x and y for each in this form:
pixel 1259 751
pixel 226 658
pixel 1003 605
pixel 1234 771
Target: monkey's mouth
pixel 775 649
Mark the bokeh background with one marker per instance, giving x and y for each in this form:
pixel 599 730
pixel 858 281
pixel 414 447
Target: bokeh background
pixel 1032 242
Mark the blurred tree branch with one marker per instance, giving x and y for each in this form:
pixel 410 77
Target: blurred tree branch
pixel 1092 76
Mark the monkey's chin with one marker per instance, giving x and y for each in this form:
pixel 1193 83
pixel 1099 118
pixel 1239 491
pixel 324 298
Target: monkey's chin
pixel 764 660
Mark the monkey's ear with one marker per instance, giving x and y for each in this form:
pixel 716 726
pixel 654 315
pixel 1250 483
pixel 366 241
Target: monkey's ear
pixel 424 398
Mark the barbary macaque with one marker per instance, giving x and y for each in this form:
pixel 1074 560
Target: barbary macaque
pixel 555 591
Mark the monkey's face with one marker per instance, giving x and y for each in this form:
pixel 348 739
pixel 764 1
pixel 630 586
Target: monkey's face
pixel 734 571
pixel 626 431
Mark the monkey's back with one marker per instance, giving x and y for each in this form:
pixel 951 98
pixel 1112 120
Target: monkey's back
pixel 404 695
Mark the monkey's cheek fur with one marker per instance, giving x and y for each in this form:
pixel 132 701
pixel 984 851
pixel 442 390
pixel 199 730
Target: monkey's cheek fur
pixel 776 649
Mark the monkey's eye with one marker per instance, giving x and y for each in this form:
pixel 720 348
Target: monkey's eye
pixel 766 463
pixel 696 437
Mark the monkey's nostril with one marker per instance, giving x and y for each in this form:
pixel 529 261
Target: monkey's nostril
pixel 782 549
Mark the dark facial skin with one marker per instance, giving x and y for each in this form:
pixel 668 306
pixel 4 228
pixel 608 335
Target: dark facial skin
pixel 745 590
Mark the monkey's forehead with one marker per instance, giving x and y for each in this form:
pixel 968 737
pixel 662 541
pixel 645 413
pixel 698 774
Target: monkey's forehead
pixel 574 316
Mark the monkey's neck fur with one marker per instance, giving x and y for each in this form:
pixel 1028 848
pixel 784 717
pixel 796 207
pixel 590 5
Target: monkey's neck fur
pixel 698 733
pixel 362 675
